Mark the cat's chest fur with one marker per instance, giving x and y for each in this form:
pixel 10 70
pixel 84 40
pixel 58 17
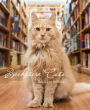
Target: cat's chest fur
pixel 47 58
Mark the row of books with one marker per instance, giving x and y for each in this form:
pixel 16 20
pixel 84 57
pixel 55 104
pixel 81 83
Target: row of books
pixel 74 44
pixel 86 60
pixel 72 6
pixel 15 45
pixel 76 26
pixel 76 7
pixel 3 39
pixel 3 60
pixel 87 17
pixel 75 29
pixel 13 59
pixel 3 19
pixel 77 10
pixel 85 40
pixel 75 60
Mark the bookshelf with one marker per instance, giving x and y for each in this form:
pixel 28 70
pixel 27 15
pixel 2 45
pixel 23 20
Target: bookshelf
pixel 82 29
pixel 13 34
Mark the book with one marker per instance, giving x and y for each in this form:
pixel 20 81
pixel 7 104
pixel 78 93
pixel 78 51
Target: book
pixel 86 18
pixel 14 44
pixel 3 60
pixel 3 39
pixel 13 58
pixel 85 40
pixel 3 19
pixel 78 26
pixel 89 60
pixel 74 43
pixel 86 60
pixel 70 8
pixel 75 60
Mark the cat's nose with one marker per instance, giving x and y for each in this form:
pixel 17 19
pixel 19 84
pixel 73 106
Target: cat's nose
pixel 42 35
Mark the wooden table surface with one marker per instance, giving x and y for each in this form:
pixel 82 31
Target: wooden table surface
pixel 15 96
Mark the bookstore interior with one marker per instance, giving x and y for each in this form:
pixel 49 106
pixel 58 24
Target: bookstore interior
pixel 72 21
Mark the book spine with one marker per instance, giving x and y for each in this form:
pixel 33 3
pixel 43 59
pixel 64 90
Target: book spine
pixel 89 60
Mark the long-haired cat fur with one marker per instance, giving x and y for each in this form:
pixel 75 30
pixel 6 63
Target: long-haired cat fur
pixel 46 60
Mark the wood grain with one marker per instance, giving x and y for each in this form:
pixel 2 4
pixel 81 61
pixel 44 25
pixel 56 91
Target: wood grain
pixel 15 96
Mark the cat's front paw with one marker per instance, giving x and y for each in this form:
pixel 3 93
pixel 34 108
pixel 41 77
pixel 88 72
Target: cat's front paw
pixel 48 104
pixel 34 103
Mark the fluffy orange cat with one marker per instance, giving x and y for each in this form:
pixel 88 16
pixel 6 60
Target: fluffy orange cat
pixel 50 72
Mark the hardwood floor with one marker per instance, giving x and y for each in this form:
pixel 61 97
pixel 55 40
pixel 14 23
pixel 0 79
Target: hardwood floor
pixel 14 96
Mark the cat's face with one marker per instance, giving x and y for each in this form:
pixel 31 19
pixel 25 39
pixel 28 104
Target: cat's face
pixel 43 30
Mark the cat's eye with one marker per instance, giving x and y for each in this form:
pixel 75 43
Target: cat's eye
pixel 38 29
pixel 48 29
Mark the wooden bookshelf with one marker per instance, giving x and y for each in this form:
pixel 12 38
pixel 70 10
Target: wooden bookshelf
pixel 84 30
pixel 3 7
pixel 18 37
pixel 3 28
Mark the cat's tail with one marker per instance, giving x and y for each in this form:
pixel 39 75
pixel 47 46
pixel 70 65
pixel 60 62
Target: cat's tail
pixel 80 88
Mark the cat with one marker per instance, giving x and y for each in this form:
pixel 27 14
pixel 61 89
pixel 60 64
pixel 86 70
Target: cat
pixel 51 77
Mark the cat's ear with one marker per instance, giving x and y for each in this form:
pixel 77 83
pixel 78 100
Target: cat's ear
pixel 53 18
pixel 34 17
